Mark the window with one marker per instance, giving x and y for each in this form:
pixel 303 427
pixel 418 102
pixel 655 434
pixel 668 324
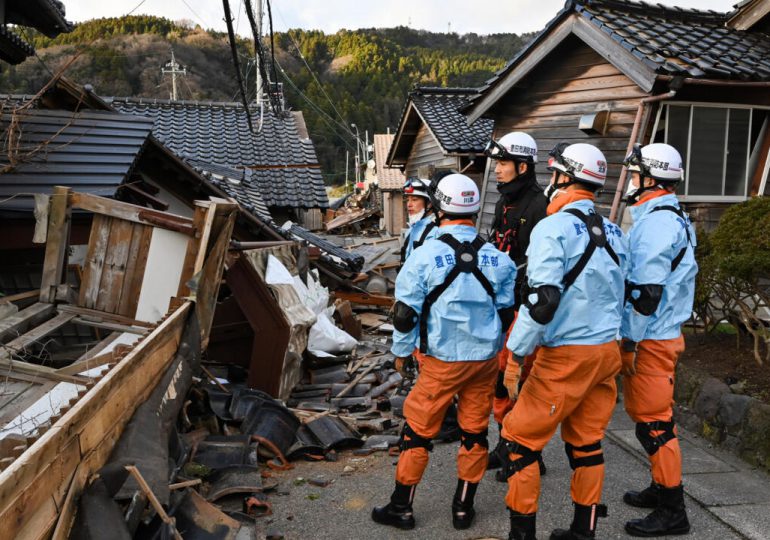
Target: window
pixel 721 146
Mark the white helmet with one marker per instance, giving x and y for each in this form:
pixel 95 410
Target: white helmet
pixel 457 195
pixel 659 161
pixel 514 146
pixel 417 187
pixel 582 162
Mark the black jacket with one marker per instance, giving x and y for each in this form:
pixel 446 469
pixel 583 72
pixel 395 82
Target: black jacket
pixel 520 207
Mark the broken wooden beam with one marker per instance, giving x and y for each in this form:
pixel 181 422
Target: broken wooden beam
pixel 365 299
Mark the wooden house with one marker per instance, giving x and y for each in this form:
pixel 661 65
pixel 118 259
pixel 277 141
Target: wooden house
pixel 390 181
pixel 612 73
pixel 433 134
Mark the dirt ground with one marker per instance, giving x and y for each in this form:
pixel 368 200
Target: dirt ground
pixel 721 356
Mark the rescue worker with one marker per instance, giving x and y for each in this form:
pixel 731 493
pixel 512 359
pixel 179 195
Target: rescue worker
pixel 520 207
pixel 659 298
pixel 571 310
pixel 422 224
pixel 454 296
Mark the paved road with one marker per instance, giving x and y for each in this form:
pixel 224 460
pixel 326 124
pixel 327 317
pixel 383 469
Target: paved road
pixel 726 498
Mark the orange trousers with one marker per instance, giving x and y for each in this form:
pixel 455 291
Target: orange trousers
pixel 571 385
pixel 427 402
pixel 502 404
pixel 648 396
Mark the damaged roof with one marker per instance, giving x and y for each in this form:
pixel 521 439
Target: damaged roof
pixel 237 183
pixel 282 159
pixel 90 151
pixel 651 39
pixel 440 110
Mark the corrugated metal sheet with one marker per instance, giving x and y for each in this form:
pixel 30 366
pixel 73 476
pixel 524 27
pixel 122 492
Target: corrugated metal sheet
pixel 91 152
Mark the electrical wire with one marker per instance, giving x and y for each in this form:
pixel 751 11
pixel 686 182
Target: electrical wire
pixel 135 8
pixel 194 13
pixel 312 73
pixel 234 51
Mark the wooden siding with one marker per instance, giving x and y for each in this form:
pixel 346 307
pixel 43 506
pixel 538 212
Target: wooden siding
pixel 393 211
pixel 574 80
pixel 426 155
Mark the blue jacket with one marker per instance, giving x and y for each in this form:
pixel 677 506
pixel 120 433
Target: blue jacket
pixel 656 238
pixel 589 312
pixel 463 323
pixel 416 231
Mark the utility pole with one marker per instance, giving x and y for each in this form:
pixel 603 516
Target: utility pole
pixel 174 69
pixel 258 19
pixel 347 163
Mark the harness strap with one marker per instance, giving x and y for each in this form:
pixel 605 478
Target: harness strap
pixel 596 238
pixel 429 227
pixel 678 211
pixel 461 265
pixel 652 443
pixel 585 461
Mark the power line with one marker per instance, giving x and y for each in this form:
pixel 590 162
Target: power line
pixel 135 8
pixel 323 115
pixel 194 13
pixel 234 51
pixel 312 73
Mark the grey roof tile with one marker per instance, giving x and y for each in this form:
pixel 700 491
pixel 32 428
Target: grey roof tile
pixel 284 166
pixel 441 110
pixel 667 39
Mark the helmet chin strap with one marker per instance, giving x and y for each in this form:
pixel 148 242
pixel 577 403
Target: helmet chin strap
pixel 633 196
pixel 553 189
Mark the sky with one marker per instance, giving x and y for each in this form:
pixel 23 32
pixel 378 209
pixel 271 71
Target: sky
pixel 484 17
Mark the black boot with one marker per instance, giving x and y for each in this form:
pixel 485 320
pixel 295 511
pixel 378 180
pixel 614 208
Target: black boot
pixel 647 498
pixel 496 454
pixel 669 517
pixel 583 523
pixel 522 526
pixel 462 505
pixel 398 512
pixel 541 464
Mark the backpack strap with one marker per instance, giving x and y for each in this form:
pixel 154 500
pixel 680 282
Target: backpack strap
pixel 466 261
pixel 678 211
pixel 596 239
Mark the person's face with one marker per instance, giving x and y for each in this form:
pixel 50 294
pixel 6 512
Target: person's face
pixel 414 204
pixel 508 171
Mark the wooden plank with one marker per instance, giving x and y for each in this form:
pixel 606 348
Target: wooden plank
pixel 88 363
pixel 565 109
pixel 188 267
pixel 114 270
pixel 36 334
pixel 37 374
pixel 94 263
pixel 137 262
pixel 13 326
pixel 19 296
pixel 363 298
pixel 113 399
pixel 115 327
pixel 132 212
pixel 56 244
pixel 101 316
pixel 23 400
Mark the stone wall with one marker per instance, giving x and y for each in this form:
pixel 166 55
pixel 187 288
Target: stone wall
pixel 724 416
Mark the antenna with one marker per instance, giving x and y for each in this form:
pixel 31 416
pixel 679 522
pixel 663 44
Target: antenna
pixel 174 69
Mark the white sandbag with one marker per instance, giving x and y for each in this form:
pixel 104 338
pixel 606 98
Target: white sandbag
pixel 324 336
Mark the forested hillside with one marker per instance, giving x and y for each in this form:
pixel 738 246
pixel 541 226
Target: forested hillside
pixel 365 73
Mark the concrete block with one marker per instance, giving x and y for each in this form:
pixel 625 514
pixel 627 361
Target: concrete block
pixel 727 488
pixel 751 520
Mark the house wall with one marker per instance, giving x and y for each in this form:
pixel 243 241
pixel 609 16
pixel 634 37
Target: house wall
pixel 548 103
pixel 426 155
pixel 393 211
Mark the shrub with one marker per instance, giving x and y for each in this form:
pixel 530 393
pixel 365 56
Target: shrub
pixel 733 283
